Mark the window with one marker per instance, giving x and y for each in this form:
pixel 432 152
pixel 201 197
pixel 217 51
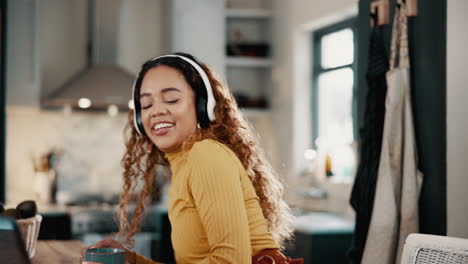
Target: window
pixel 333 96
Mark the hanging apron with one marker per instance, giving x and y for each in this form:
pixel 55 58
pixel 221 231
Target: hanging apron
pixel 395 210
pixel 362 195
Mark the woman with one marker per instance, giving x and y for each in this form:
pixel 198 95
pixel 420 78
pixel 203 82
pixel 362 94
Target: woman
pixel 225 205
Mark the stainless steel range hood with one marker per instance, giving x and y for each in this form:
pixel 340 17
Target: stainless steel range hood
pixel 103 85
pixel 102 81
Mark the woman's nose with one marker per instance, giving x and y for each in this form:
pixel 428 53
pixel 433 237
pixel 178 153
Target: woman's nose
pixel 159 109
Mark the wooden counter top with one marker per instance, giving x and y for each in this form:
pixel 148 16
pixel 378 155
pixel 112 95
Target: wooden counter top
pixel 58 251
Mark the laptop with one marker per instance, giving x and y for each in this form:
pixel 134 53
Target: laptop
pixel 12 247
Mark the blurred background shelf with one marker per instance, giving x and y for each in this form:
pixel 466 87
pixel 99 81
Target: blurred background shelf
pixel 248 13
pixel 248 62
pixel 256 112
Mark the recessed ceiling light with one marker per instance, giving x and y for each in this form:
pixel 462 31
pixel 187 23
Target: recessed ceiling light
pixel 84 103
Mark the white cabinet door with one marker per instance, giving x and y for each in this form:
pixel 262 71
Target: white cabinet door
pixel 198 27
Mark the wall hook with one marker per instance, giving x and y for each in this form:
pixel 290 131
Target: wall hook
pixel 380 10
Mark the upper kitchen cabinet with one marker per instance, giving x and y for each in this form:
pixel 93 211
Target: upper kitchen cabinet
pixel 248 51
pixel 197 27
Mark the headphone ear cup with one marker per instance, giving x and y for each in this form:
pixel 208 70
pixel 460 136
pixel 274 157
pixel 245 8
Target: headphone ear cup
pixel 141 128
pixel 202 113
pixel 138 122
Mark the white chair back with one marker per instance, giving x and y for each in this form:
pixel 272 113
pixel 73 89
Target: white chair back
pixel 431 249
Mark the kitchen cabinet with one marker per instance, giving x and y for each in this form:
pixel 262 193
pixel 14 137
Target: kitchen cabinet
pixel 196 27
pixel 322 238
pixel 248 51
pixel 55 226
pixel 234 37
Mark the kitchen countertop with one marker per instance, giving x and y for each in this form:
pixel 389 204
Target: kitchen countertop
pixel 73 209
pixel 57 252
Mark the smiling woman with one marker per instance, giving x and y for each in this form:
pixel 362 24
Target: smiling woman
pixel 225 203
pixel 168 108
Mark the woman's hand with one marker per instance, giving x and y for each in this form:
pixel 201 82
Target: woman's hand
pixel 109 243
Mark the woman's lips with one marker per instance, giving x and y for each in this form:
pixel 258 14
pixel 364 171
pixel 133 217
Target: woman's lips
pixel 163 131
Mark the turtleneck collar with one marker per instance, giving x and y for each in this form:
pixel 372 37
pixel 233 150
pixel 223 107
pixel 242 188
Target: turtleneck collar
pixel 174 156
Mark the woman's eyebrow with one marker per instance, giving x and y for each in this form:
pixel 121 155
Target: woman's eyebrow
pixel 165 90
pixel 144 95
pixel 170 89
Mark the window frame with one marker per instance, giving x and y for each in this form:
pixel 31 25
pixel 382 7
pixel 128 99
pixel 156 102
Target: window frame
pixel 317 70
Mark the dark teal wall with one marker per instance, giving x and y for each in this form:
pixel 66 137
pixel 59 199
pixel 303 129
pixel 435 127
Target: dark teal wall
pixel 2 99
pixel 428 40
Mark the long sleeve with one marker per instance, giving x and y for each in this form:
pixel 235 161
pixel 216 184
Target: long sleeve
pixel 215 184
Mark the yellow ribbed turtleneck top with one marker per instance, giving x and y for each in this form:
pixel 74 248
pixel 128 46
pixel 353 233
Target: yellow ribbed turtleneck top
pixel 214 211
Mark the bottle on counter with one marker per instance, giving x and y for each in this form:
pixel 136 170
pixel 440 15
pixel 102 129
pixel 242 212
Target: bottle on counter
pixel 328 165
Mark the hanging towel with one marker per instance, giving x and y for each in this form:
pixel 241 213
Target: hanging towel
pixel 362 195
pixel 395 210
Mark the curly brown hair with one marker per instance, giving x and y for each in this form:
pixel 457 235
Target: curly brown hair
pixel 142 157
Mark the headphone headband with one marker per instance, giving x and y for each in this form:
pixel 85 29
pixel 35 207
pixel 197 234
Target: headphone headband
pixel 211 102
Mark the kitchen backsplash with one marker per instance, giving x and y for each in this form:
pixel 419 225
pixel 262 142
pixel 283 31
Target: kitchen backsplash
pixel 90 145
